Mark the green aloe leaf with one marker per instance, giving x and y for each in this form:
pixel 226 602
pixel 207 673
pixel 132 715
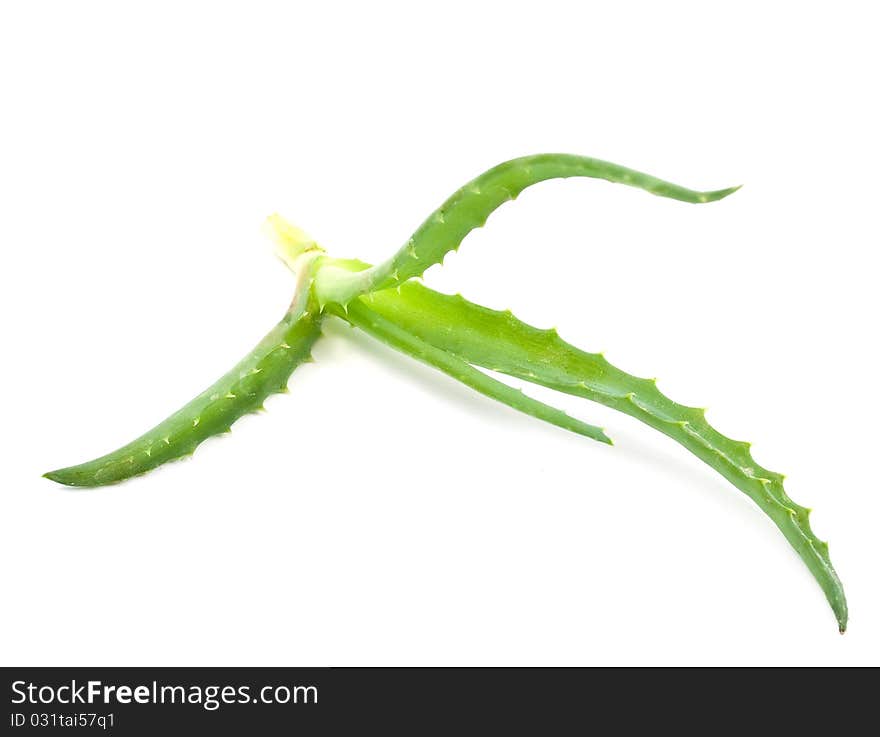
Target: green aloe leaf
pixel 359 315
pixel 500 342
pixel 470 206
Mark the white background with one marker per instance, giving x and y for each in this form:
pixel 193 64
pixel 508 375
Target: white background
pixel 380 513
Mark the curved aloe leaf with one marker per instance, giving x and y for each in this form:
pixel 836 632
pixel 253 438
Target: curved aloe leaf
pixel 471 205
pixel 243 389
pixel 500 342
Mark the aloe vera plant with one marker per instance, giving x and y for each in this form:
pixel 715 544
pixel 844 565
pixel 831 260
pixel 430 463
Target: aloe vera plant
pixel 459 338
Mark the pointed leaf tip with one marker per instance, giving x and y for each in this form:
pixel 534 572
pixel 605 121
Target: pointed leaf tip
pixel 720 194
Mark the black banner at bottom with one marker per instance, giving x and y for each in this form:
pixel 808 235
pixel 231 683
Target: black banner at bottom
pixel 150 701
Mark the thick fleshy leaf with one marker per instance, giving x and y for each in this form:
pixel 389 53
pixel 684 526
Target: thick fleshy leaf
pixel 501 342
pixel 359 315
pixel 471 205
